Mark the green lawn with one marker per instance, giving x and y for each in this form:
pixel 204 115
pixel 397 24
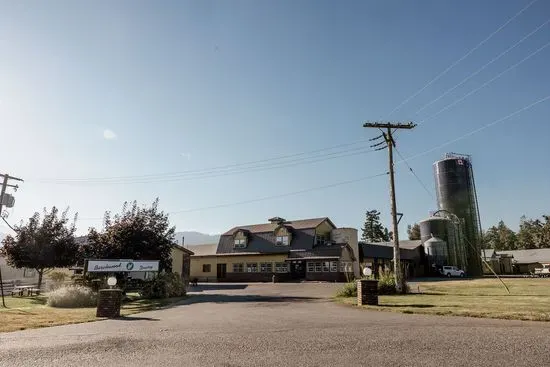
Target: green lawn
pixel 32 312
pixel 529 299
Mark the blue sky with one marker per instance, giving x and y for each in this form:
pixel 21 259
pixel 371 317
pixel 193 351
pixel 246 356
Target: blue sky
pixel 130 88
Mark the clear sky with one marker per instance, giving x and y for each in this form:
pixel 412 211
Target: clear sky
pixel 130 88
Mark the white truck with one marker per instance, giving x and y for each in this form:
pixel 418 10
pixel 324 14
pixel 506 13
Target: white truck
pixel 452 271
pixel 543 272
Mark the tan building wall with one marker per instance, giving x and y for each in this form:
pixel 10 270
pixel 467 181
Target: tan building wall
pixel 324 229
pixel 349 236
pixel 197 263
pixel 244 259
pixel 177 261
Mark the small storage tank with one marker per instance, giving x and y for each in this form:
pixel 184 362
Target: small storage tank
pixel 434 226
pixel 446 230
pixel 436 251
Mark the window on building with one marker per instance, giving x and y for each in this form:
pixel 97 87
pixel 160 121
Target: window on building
pixel 281 267
pixel 310 267
pixel 326 266
pixel 251 267
pixel 334 266
pixel 240 243
pixel 282 240
pixel 266 267
pixel 206 268
pixel 238 268
pixel 318 267
pixel 320 240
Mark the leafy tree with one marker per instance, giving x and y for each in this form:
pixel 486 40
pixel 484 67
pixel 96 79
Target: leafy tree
pixel 141 233
pixel 500 237
pixel 534 233
pixel 43 243
pixel 373 230
pixel 413 231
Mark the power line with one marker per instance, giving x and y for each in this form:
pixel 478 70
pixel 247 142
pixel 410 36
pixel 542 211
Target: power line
pixel 364 178
pixel 414 173
pixel 9 225
pixel 486 83
pixel 269 197
pixel 477 130
pixel 308 160
pixel 462 58
pixel 205 170
pixel 484 66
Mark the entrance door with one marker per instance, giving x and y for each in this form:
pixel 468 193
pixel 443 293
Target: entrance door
pixel 298 270
pixel 221 271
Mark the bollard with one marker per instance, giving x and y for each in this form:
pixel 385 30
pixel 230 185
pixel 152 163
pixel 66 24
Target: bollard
pixel 367 292
pixel 108 304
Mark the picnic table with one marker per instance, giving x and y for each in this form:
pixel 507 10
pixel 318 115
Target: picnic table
pixel 21 289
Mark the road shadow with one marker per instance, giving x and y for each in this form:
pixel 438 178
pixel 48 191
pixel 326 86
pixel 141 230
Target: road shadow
pixel 135 318
pixel 216 287
pixel 224 298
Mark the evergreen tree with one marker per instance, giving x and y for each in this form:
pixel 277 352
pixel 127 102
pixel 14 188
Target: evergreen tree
pixel 413 231
pixel 373 230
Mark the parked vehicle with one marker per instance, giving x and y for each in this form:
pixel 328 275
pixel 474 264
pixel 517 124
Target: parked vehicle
pixel 544 271
pixel 452 271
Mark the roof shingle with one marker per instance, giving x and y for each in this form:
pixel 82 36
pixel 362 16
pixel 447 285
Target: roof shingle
pixel 270 227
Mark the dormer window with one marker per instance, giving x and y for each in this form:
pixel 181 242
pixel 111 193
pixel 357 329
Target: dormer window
pixel 282 241
pixel 283 236
pixel 240 239
pixel 320 240
pixel 240 243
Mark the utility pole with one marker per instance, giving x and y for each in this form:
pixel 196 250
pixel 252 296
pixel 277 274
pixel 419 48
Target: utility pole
pixel 390 144
pixel 5 185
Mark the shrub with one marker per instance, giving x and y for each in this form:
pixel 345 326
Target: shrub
pixel 348 290
pixel 56 279
pixel 72 296
pixel 164 285
pixel 386 283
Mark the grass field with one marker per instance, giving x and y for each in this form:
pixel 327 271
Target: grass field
pixel 32 312
pixel 529 299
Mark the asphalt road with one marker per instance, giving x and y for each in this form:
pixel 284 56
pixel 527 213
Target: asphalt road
pixel 279 325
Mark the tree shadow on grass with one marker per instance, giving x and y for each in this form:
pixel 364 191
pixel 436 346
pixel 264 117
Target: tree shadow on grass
pixel 408 306
pixel 223 298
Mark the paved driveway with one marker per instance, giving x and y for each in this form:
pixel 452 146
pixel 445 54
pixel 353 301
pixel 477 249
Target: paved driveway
pixel 279 325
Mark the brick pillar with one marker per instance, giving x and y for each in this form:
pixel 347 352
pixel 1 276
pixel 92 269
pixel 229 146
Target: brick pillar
pixel 108 304
pixel 367 292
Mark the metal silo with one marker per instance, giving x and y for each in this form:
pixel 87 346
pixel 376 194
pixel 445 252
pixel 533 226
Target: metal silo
pixel 455 188
pixel 436 251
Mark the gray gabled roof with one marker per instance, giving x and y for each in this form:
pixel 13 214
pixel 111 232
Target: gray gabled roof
pixel 541 255
pixel 270 227
pixel 409 250
pixel 405 244
pixel 265 243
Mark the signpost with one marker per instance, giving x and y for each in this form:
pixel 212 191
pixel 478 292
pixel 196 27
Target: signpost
pixel 126 266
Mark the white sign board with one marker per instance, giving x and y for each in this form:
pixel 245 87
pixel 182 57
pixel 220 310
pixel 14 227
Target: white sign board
pixel 111 266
